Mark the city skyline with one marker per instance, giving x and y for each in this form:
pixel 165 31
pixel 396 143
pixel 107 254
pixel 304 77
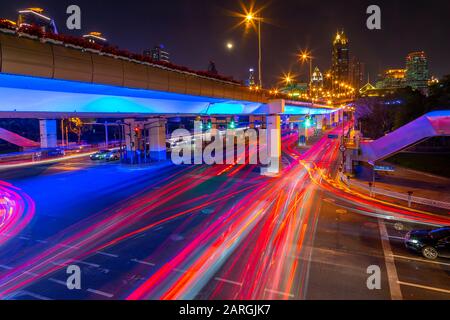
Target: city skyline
pixel 370 47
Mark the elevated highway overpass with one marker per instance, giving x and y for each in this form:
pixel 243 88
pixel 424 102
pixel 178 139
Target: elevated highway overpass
pixel 49 80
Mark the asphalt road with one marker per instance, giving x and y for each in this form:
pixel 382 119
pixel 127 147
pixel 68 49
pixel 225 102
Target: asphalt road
pixel 220 232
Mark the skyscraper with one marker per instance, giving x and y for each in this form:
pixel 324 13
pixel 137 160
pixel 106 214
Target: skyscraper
pixel 341 58
pixel 36 17
pixel 356 73
pixel 158 53
pixel 317 78
pixel 417 72
pixel 251 78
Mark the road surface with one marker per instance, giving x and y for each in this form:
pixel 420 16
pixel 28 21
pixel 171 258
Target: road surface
pixel 209 232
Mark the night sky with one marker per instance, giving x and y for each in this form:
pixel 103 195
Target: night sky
pixel 196 31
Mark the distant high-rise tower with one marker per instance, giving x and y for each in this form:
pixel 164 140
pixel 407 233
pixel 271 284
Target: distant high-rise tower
pixel 341 58
pixel 36 17
pixel 251 78
pixel 356 73
pixel 158 53
pixel 417 72
pixel 317 78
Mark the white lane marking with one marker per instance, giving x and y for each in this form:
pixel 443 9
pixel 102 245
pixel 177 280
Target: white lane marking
pixel 58 281
pixel 107 254
pixel 31 294
pixel 94 265
pixel 24 238
pixel 101 293
pixel 280 293
pixel 5 267
pixel 394 287
pixel 58 264
pixel 68 247
pixel 423 287
pixel 143 262
pixel 396 238
pixel 229 281
pixel 421 260
pixel 42 241
pixel 28 273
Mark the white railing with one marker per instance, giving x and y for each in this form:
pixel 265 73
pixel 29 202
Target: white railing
pixel 397 195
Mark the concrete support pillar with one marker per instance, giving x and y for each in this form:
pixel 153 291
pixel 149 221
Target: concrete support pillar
pixel 335 117
pixel 320 119
pixel 341 115
pixel 129 135
pixel 327 120
pixel 157 137
pixel 48 133
pixel 273 139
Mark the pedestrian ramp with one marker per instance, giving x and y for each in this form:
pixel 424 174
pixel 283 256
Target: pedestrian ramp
pixel 17 140
pixel 430 125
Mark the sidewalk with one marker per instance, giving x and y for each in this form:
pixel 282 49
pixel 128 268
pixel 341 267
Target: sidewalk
pixel 404 180
pixel 428 191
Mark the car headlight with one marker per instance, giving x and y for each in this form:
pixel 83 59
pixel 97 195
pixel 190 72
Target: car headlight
pixel 415 241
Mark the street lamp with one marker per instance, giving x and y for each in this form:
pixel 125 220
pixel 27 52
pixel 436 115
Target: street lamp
pixel 250 19
pixel 305 56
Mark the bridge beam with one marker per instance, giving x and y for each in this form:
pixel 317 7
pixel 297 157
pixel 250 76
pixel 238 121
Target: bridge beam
pixel 48 134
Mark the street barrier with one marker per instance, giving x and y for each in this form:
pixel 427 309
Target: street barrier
pixel 397 195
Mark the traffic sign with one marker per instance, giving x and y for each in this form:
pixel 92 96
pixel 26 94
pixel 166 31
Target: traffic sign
pixel 342 148
pixel 384 168
pixel 333 136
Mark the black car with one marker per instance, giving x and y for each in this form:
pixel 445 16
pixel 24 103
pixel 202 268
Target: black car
pixel 431 244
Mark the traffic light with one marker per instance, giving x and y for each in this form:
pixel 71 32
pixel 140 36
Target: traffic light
pixel 209 125
pixel 232 125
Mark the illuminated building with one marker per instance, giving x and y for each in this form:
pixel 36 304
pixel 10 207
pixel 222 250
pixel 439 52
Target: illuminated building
pixel 251 78
pixel 317 79
pixel 36 17
pixel 417 73
pixel 341 58
pixel 96 37
pixel 356 73
pixel 158 53
pixel 393 79
pixel 367 90
pixel 296 90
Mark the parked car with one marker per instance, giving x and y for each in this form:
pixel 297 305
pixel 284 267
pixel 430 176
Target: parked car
pixel 107 155
pixel 431 244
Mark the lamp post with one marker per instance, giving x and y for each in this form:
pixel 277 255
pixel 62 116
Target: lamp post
pixel 250 18
pixel 305 56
